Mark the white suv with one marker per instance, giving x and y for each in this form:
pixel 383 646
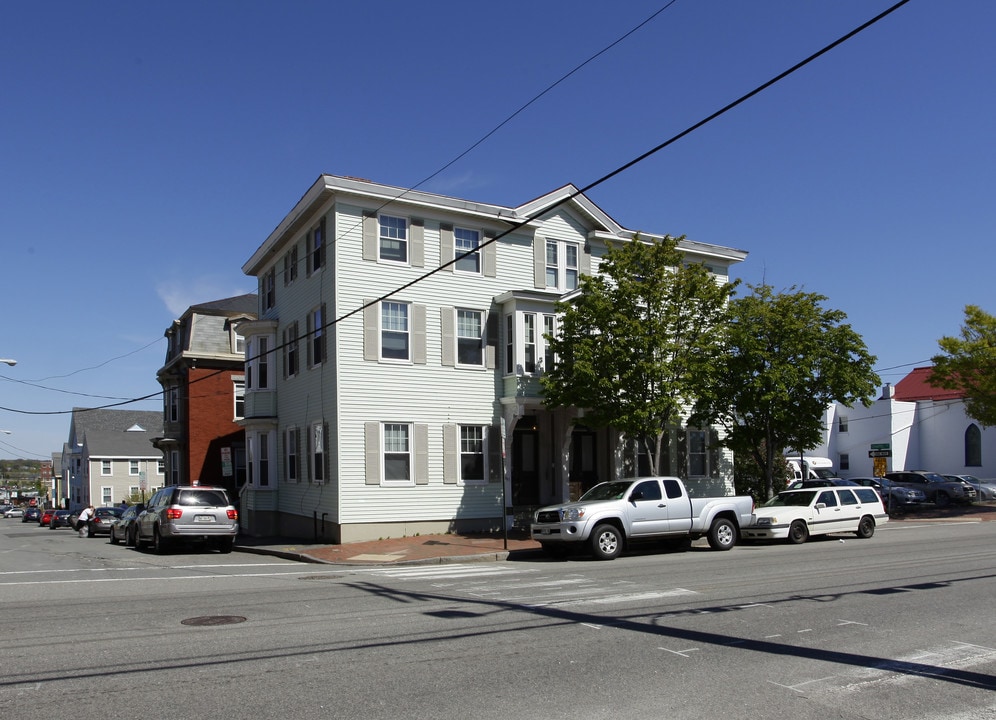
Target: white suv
pixel 188 514
pixel 795 515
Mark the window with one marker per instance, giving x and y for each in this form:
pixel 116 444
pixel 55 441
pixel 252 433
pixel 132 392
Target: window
pixel 649 490
pixel 467 241
pixel 847 497
pixel 173 404
pixel 828 498
pixel 845 461
pixel 133 467
pixel 529 341
pixel 509 344
pixel 696 453
pixel 174 467
pixel 842 424
pixel 316 329
pixel 470 345
pixel 239 391
pixel 393 239
pixel 549 329
pixel 267 289
pixel 395 337
pixel 290 266
pixel 289 341
pixel 562 268
pixel 973 446
pixel 290 453
pixel 264 460
pixel 397 453
pixel 472 454
pixel 316 444
pixel 160 467
pixel 106 467
pixel 106 495
pixel 133 491
pixel 316 248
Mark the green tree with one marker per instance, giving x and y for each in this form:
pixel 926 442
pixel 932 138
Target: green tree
pixel 969 364
pixel 634 343
pixel 787 358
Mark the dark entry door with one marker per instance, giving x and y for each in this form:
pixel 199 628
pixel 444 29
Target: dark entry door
pixel 525 463
pixel 584 462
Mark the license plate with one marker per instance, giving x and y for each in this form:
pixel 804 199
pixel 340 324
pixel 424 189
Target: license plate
pixel 203 518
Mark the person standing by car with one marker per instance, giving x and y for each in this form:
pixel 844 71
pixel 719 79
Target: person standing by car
pixel 83 519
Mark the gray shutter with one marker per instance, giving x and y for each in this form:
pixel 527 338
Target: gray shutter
pixel 490 255
pixel 585 259
pixel 325 453
pixel 451 454
pixel 495 469
pixel 325 335
pixel 539 260
pixel 416 242
pixel 325 241
pixel 309 339
pixel 446 329
pixel 421 454
pixel 446 251
pixel 371 333
pixel 715 453
pixel 371 453
pixel 418 334
pixel 491 341
pixel 369 235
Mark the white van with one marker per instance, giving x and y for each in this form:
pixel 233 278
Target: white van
pixel 816 468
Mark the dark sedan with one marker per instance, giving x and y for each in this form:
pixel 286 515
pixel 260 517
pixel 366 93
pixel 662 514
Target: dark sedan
pixel 123 526
pixel 60 518
pixel 32 514
pixel 102 520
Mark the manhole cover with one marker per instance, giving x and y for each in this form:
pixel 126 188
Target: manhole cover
pixel 213 620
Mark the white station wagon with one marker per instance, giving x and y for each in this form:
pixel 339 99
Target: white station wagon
pixel 796 514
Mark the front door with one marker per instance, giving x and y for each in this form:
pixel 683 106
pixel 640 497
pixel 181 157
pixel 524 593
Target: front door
pixel 584 462
pixel 525 463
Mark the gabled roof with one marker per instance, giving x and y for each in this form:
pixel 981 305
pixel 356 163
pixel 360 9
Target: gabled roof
pixel 110 428
pixel 916 386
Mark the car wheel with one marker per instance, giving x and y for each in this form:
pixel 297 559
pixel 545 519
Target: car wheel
pixel 225 546
pixel 722 534
pixel 866 528
pixel 606 542
pixel 941 499
pixel 89 532
pixel 113 538
pixel 130 538
pixel 798 533
pixel 158 544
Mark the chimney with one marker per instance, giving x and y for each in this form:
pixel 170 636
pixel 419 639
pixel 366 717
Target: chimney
pixel 888 391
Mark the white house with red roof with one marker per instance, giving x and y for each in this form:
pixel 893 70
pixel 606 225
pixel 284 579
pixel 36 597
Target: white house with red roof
pixel 911 426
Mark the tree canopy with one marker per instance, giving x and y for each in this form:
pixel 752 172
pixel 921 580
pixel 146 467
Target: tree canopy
pixel 637 340
pixel 969 364
pixel 786 359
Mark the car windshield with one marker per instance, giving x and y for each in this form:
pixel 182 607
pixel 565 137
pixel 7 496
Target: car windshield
pixel 934 477
pixel 608 491
pixel 108 512
pixel 203 498
pixel 800 498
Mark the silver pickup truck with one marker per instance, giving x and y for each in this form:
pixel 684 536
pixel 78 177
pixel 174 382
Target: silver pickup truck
pixel 613 514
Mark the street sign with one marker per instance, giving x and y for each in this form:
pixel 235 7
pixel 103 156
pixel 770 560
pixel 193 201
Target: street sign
pixel 879 453
pixel 880 446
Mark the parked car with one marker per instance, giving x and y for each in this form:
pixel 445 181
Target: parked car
pixel 123 526
pixel 985 489
pixel 895 496
pixel 13 512
pixel 31 515
pixel 60 518
pixel 825 482
pixel 100 523
pixel 45 518
pixel 795 515
pixel 188 514
pixel 937 488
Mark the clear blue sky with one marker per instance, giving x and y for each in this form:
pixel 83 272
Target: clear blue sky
pixel 149 148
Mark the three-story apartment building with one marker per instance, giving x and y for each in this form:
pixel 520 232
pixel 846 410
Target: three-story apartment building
pixel 392 375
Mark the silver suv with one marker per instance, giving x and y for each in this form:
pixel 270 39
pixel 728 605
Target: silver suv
pixel 188 514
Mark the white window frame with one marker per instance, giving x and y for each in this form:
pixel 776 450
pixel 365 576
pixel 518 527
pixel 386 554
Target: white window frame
pixel 268 289
pixel 133 491
pixel 134 468
pixel 106 467
pixel 173 404
pixel 466 240
pixel 842 423
pixel 161 466
pixel 316 335
pixel 393 229
pixel 563 271
pixel 106 495
pixel 387 316
pixel 467 445
pixel 174 467
pixel 291 457
pixel 259 374
pixel 238 397
pixel 530 346
pixel 316 452
pixel 549 328
pixel 464 323
pixel 391 449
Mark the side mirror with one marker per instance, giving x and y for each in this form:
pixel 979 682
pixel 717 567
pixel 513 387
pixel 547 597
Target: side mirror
pixel 821 506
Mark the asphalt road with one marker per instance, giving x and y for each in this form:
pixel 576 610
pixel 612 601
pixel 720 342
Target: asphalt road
pixel 898 626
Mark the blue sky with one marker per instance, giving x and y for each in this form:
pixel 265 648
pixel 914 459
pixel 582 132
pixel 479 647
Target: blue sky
pixel 149 148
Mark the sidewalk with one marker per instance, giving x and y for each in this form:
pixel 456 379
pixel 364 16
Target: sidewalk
pixel 428 549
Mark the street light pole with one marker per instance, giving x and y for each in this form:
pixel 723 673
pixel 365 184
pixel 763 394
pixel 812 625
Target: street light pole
pixel 8 361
